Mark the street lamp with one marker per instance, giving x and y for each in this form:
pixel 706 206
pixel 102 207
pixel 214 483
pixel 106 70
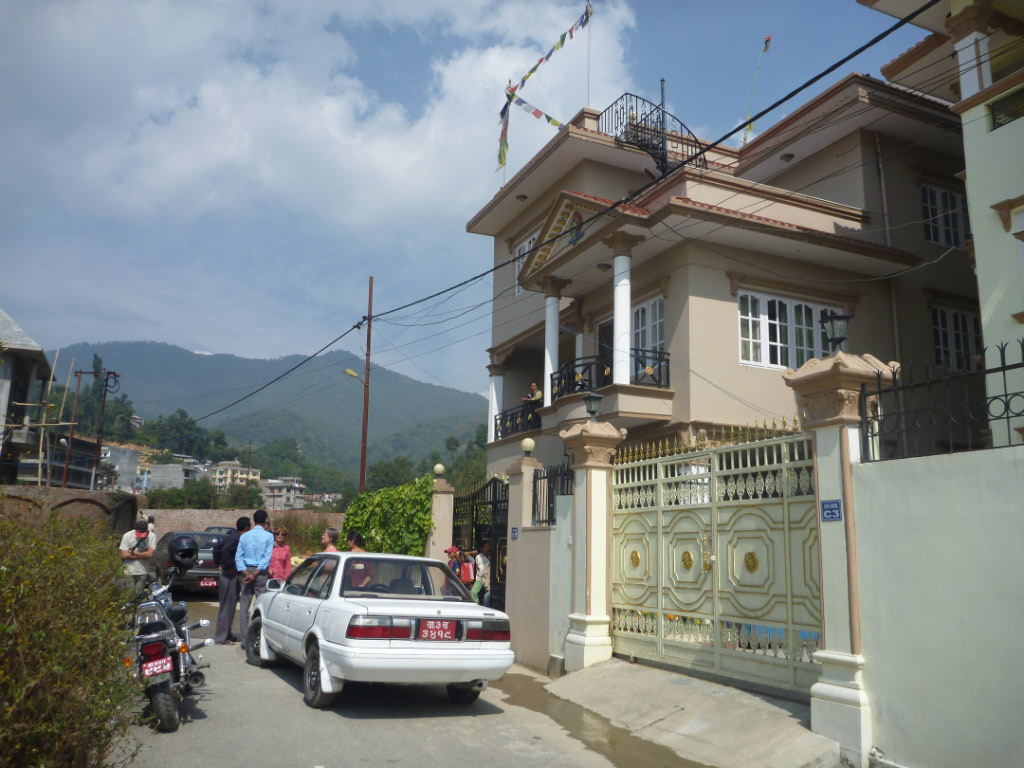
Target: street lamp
pixel 366 419
pixel 835 327
pixel 592 401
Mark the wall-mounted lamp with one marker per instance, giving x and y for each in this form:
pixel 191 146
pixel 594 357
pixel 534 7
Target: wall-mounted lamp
pixel 604 266
pixel 786 157
pixel 521 198
pixel 592 402
pixel 835 327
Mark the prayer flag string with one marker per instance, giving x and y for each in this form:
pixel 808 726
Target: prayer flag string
pixel 510 90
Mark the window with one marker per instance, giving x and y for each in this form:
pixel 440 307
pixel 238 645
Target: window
pixel 522 251
pixel 780 333
pixel 957 338
pixel 649 325
pixel 945 216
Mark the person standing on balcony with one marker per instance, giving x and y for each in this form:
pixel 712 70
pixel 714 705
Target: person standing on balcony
pixel 533 400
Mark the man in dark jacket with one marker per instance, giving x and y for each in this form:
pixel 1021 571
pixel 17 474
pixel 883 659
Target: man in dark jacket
pixel 228 585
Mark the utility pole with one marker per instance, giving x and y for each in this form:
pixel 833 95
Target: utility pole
pixel 44 443
pixel 248 474
pixel 366 392
pixel 107 376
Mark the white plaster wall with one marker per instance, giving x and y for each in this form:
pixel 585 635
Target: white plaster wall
pixel 940 573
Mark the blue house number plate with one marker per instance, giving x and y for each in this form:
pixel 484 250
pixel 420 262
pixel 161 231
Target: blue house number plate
pixel 831 510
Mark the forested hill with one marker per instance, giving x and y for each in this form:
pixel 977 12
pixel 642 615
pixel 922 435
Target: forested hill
pixel 319 405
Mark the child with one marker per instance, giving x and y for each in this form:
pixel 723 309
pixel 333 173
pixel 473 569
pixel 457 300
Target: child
pixel 467 572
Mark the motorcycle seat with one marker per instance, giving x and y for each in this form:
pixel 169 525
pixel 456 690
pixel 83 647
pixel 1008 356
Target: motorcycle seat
pixel 153 627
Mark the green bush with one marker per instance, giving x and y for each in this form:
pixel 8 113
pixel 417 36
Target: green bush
pixel 303 534
pixel 65 696
pixel 396 520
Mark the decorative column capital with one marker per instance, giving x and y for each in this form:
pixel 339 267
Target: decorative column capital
pixel 622 243
pixel 973 18
pixel 495 369
pixel 828 389
pixel 592 444
pixel 552 286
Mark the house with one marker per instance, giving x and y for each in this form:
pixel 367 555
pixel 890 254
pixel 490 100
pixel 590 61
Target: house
pixel 683 304
pixel 224 474
pixel 175 475
pixel 283 493
pixel 23 369
pixel 985 39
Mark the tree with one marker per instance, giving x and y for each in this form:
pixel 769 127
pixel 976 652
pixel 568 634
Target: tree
pixel 387 474
pixel 246 496
pixel 452 445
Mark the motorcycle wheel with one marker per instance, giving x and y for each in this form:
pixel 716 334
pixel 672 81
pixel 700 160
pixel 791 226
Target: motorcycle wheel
pixel 165 707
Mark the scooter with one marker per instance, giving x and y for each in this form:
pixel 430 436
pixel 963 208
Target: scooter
pixel 163 660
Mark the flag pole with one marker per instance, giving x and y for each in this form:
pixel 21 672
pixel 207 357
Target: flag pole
pixel 757 68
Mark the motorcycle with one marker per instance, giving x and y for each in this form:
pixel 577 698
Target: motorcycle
pixel 163 660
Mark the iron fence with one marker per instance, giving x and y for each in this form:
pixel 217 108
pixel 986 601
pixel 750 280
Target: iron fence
pixel 512 421
pixel 547 485
pixel 927 411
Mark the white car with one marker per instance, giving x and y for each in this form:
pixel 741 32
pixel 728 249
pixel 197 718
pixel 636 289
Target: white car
pixel 366 617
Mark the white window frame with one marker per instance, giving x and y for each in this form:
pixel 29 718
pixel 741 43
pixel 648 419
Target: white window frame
pixel 945 216
pixel 956 338
pixel 521 252
pixel 779 332
pixel 647 324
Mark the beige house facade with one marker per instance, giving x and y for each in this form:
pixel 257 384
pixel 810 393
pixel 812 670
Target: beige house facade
pixel 683 305
pixel 227 473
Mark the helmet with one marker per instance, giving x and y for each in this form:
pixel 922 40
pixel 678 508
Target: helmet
pixel 183 551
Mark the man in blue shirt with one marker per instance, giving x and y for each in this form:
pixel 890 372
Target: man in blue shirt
pixel 253 561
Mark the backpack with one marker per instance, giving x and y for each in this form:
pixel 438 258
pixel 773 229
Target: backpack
pixel 466 572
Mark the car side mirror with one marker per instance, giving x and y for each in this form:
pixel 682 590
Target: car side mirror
pixel 274 585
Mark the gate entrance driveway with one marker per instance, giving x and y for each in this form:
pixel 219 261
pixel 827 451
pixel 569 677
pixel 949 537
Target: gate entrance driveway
pixel 715 562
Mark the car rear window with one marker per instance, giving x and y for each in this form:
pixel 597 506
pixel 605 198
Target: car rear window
pixel 405 579
pixel 206 540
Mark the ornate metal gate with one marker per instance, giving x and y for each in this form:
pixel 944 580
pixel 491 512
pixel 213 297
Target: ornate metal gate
pixel 482 515
pixel 715 561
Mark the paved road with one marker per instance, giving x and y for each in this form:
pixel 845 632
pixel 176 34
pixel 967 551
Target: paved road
pixel 245 717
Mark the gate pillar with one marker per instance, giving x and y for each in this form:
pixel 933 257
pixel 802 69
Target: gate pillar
pixel 442 514
pixel 828 396
pixel 591 444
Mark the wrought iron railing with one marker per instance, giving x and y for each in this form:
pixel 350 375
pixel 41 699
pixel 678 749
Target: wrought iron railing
pixel 925 412
pixel 548 484
pixel 645 125
pixel 650 368
pixel 522 418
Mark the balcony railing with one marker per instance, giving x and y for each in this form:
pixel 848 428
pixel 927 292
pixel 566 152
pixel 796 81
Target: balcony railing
pixel 522 418
pixel 650 368
pixel 643 124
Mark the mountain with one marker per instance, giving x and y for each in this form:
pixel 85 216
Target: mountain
pixel 318 405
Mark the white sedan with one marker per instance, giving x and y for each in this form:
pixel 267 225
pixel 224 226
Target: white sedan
pixel 379 619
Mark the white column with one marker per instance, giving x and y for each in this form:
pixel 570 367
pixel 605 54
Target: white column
pixel 495 400
pixel 973 59
pixel 579 345
pixel 550 343
pixel 620 319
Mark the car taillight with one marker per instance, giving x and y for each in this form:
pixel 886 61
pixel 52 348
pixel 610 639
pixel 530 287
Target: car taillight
pixel 495 630
pixel 379 628
pixel 152 650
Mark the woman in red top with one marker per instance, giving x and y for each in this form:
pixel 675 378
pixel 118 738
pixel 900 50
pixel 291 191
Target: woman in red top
pixel 281 556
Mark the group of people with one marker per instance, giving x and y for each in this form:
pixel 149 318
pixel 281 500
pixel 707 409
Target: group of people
pixel 473 568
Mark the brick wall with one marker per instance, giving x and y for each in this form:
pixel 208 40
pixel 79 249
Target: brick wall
pixel 198 519
pixel 115 510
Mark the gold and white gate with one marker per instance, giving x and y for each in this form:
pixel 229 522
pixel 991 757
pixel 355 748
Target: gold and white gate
pixel 714 561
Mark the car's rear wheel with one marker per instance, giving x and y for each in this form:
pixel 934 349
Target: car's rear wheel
pixel 462 695
pixel 313 692
pixel 253 638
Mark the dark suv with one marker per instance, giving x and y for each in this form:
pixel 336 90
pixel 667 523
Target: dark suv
pixel 203 576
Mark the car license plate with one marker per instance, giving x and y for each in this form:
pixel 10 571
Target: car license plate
pixel 437 629
pixel 157 667
pixel 208 582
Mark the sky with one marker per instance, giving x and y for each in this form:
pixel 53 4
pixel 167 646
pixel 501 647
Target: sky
pixel 226 175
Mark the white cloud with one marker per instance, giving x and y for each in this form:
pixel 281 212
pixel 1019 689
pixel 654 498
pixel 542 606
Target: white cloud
pixel 218 174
